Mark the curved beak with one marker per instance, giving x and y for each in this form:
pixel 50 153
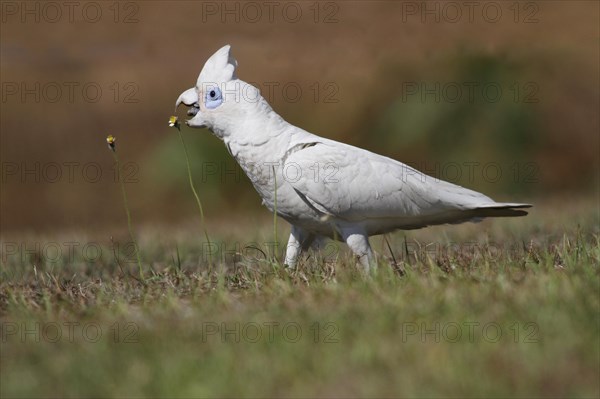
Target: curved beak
pixel 189 98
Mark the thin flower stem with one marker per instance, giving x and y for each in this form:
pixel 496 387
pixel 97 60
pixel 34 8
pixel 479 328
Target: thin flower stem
pixel 125 202
pixel 275 213
pixel 189 170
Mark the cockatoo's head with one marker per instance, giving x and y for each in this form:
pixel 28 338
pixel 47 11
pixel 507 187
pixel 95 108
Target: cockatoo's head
pixel 220 101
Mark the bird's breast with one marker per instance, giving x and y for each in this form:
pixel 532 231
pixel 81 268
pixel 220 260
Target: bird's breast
pixel 264 167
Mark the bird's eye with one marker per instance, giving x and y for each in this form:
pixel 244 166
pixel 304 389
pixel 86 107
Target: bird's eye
pixel 213 98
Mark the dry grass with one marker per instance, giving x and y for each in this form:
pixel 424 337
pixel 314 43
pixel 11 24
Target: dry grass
pixel 190 330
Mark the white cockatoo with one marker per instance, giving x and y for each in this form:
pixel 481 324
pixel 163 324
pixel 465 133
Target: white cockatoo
pixel 323 188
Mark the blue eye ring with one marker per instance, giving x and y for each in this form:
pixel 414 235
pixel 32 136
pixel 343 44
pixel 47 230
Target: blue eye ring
pixel 213 98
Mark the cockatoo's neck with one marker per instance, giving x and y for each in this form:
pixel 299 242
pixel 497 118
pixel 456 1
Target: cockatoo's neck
pixel 253 124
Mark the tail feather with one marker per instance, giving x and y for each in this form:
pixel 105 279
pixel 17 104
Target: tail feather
pixel 500 209
pixel 457 216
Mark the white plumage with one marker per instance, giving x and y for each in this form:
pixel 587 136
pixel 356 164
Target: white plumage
pixel 324 188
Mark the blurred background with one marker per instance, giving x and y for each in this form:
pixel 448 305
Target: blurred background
pixel 501 97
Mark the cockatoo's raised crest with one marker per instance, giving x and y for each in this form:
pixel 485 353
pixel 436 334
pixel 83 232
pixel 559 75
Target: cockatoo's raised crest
pixel 219 68
pixel 322 187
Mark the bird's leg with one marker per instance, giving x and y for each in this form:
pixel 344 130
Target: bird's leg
pixel 359 244
pixel 299 241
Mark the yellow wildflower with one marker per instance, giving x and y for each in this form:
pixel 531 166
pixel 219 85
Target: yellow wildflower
pixel 110 140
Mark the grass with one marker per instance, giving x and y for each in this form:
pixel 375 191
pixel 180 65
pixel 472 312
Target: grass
pixel 523 293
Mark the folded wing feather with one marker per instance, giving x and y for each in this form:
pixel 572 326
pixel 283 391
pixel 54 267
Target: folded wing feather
pixel 354 184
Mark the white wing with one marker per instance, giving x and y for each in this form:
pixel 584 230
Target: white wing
pixel 356 185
